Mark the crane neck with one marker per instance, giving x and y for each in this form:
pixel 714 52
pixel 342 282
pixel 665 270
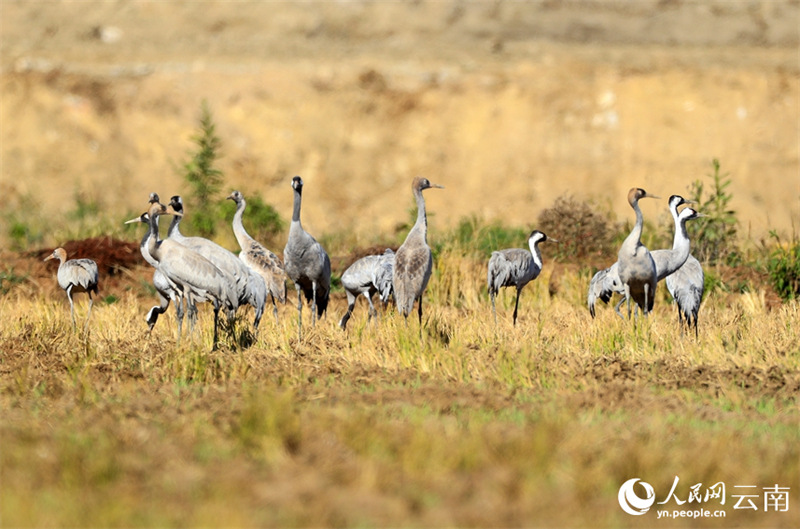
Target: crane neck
pixel 238 226
pixel 296 210
pixel 174 230
pixel 151 238
pixel 422 218
pixel 681 235
pixel 535 252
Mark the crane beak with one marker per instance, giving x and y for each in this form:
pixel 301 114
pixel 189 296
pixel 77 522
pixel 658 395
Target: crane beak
pixel 550 239
pixel 137 219
pixel 437 186
pixel 647 195
pixel 51 256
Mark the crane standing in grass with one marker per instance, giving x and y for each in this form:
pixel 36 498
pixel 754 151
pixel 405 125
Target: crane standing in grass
pixel 637 270
pixel 258 258
pixel 166 289
pixel 413 262
pixel 685 282
pixel 307 264
pixel 199 278
pixel 515 267
pixel 76 275
pixel 365 277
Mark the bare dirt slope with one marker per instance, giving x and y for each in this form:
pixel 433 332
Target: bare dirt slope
pixel 507 104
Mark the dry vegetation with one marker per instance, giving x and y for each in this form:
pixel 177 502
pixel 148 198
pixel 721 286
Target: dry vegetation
pixel 472 426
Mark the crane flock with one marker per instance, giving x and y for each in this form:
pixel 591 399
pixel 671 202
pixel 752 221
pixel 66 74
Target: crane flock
pixel 192 270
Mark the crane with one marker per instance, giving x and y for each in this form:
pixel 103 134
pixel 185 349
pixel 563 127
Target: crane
pixel 200 279
pixel 637 270
pixel 686 285
pixel 76 275
pixel 365 277
pixel 258 258
pixel 604 284
pixel 515 267
pixel 307 264
pixel 247 289
pixel 166 289
pixel 669 260
pixel 413 262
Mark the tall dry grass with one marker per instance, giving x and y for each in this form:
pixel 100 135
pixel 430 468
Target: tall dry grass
pixel 471 425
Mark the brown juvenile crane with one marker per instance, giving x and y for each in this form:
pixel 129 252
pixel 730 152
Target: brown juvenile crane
pixel 413 262
pixel 257 257
pixel 76 275
pixel 637 270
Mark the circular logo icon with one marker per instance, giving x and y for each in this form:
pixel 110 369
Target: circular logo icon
pixel 630 502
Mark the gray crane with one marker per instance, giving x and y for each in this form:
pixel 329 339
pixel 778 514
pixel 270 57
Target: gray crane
pixel 515 267
pixel 247 288
pixel 413 262
pixel 365 277
pixel 76 275
pixel 686 285
pixel 166 289
pixel 200 279
pixel 307 264
pixel 637 270
pixel 669 260
pixel 258 258
pixel 603 286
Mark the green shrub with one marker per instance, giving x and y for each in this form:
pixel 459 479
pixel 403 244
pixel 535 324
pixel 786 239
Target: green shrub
pixel 783 266
pixel 473 236
pixel 714 236
pixel 205 180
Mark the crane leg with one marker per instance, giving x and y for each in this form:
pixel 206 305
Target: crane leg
pixel 274 309
pixel 618 306
pixel 516 306
pixel 313 303
pixel 646 308
pixel 88 313
pixel 372 311
pixel 494 309
pixel 346 317
pixel 71 305
pixel 299 312
pixel 216 326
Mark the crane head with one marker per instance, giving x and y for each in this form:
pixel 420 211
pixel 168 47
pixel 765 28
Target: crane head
pixel 58 253
pixel 297 184
pixel 677 200
pixel 537 236
pixel 153 198
pixel 176 203
pixel 689 213
pixel 420 183
pixel 637 193
pixel 236 196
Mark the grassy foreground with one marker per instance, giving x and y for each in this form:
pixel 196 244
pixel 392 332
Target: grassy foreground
pixel 474 425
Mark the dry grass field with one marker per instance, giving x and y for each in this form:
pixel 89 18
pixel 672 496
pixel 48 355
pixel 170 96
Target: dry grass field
pixel 509 105
pixel 474 425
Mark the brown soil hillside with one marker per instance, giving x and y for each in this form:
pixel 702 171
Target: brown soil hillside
pixel 507 104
